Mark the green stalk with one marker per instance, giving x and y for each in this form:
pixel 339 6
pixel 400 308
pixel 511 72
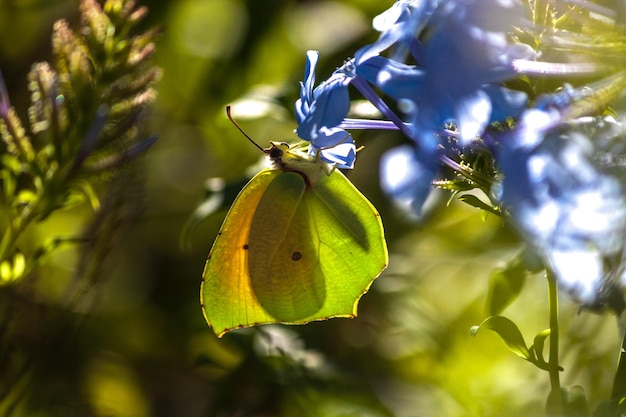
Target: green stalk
pixel 555 401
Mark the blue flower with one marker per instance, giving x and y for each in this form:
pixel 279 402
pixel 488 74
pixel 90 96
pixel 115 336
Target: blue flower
pixel 319 111
pixel 398 26
pixel 465 55
pixel 406 176
pixel 445 63
pixel 565 206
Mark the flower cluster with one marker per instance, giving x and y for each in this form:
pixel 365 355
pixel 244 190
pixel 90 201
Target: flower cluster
pixel 453 70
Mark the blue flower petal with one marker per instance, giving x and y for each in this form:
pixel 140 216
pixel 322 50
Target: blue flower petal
pixel 579 272
pixel 341 155
pixel 309 74
pixel 399 26
pixel 330 137
pixel 464 57
pixel 565 206
pixel 303 104
pixel 406 175
pixel 472 115
pixel 324 107
pixel 505 102
pixel 398 80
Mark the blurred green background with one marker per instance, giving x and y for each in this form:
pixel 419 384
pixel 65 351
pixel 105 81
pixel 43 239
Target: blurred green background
pixel 136 344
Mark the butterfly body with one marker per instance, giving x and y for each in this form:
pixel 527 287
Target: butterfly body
pixel 299 244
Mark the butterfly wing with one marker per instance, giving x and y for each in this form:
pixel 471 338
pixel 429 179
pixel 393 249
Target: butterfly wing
pixel 227 298
pixel 291 253
pixel 315 250
pixel 285 267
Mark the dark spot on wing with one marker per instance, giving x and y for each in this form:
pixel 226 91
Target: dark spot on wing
pixel 245 247
pixel 296 256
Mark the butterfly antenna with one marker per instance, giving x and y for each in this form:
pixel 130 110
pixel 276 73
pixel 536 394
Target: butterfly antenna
pixel 241 130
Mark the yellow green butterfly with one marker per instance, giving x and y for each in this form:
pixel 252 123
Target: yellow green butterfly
pixel 300 243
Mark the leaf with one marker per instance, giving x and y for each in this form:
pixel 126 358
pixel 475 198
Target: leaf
pixel 474 201
pixel 453 185
pixel 504 286
pixel 508 332
pixel 537 347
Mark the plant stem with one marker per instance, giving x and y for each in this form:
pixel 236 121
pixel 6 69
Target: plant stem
pixel 555 405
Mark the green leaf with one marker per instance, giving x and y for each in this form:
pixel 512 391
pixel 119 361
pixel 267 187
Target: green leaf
pixel 619 379
pixel 537 346
pixel 504 286
pixel 474 201
pixel 508 332
pixel 454 185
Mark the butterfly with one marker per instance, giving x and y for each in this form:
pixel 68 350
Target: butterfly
pixel 300 243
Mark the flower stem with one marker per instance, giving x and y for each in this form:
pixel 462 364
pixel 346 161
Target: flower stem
pixel 555 402
pixel 369 93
